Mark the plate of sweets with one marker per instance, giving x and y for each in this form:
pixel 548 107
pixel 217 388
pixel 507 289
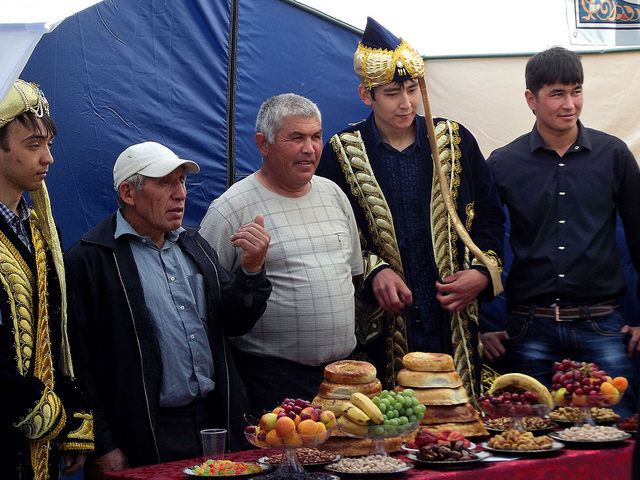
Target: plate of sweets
pixel 588 436
pixel 308 457
pixel 425 437
pixel 518 442
pixel 452 456
pixel 370 465
pixel 226 468
pixel 535 425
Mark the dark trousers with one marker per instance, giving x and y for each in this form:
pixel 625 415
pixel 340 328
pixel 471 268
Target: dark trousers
pixel 179 430
pixel 269 380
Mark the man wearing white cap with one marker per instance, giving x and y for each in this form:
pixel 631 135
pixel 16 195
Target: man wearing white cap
pixel 154 309
pixel 43 412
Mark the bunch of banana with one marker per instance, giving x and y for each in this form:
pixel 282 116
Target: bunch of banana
pixel 358 414
pixel 518 383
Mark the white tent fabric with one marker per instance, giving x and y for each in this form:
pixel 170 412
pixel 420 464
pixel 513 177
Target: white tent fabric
pixel 487 96
pixel 476 54
pixel 22 24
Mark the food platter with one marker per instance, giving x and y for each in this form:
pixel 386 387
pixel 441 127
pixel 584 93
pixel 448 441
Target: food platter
pixel 555 446
pixel 591 444
pixel 408 449
pixel 451 464
pixel 265 460
pixel 536 432
pixel 332 467
pixel 263 468
pixel 568 423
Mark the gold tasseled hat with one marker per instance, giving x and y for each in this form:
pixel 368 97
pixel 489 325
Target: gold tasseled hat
pixel 383 58
pixel 23 97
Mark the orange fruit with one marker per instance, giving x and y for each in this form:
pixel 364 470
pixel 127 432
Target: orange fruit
pixel 320 428
pixel 608 388
pixel 273 439
pixel 620 383
pixel 293 440
pixel 277 410
pixel 307 427
pixel 285 426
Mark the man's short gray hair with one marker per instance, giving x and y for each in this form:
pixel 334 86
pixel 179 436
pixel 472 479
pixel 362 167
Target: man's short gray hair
pixel 136 180
pixel 274 110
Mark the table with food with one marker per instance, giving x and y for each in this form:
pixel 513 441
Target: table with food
pixel 427 428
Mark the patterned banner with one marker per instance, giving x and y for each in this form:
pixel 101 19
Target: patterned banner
pixel 604 22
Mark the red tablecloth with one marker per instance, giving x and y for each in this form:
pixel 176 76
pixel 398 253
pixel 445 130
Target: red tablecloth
pixel 566 464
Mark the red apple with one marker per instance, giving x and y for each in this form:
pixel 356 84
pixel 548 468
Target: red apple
pixel 313 414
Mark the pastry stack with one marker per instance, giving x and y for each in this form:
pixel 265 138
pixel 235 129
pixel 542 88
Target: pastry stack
pixel 437 385
pixel 341 379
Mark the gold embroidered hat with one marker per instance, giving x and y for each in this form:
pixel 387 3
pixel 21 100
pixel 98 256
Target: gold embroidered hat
pixel 21 98
pixel 383 58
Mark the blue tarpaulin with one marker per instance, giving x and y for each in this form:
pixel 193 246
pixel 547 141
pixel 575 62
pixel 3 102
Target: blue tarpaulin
pixel 188 74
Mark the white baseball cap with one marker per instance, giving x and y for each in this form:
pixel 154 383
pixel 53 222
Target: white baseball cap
pixel 149 159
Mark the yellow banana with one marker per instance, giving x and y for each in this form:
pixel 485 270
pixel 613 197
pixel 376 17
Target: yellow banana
pixel 355 414
pixel 352 428
pixel 365 404
pixel 519 382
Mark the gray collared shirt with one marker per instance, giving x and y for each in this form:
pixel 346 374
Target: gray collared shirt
pixel 174 294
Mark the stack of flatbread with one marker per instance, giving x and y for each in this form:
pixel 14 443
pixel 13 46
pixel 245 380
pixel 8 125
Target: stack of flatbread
pixel 437 385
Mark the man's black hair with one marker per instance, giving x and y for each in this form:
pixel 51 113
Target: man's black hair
pixel 554 65
pixel 28 119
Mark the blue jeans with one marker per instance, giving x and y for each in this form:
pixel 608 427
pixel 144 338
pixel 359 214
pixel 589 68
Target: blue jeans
pixel 535 343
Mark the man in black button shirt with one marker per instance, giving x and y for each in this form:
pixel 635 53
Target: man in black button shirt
pixel 563 185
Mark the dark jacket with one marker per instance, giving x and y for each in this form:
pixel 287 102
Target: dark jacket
pixel 107 306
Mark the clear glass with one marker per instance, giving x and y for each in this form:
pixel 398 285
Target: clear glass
pixel 586 402
pixel 517 412
pixel 377 434
pixel 289 463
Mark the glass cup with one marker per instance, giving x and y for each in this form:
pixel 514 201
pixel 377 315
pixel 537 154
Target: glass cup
pixel 213 443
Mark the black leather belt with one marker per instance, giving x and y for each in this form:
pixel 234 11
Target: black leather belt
pixel 567 314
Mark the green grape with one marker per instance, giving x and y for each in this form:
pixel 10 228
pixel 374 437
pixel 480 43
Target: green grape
pixel 403 420
pixel 408 392
pixel 382 407
pixel 414 402
pixel 376 400
pixel 397 406
pixel 413 419
pixel 408 411
pixel 394 421
pixel 384 394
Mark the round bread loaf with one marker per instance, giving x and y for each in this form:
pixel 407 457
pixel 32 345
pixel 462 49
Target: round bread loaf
pixel 343 391
pixel 350 371
pixel 412 378
pixel 439 396
pixel 428 362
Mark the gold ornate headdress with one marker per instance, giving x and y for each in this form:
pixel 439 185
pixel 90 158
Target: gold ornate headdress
pixel 383 58
pixel 21 98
